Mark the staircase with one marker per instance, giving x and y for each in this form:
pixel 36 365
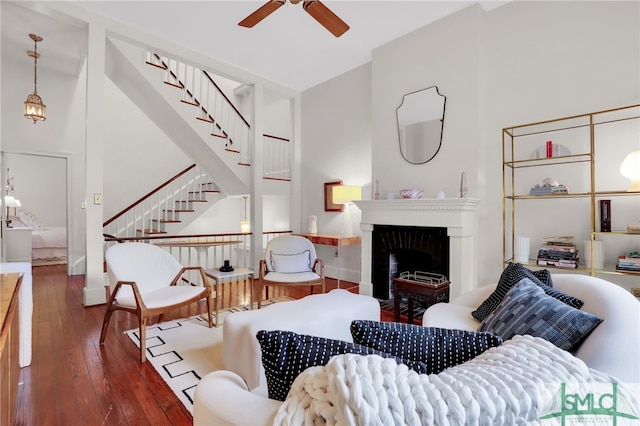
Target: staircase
pixel 211 104
pixel 169 204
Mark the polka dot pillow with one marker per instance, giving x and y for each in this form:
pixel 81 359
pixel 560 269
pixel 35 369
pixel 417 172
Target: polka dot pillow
pixel 286 354
pixel 438 348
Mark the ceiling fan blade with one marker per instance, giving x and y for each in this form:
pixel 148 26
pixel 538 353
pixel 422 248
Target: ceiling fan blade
pixel 325 17
pixel 261 13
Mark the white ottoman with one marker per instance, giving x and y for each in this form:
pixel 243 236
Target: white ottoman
pixel 326 315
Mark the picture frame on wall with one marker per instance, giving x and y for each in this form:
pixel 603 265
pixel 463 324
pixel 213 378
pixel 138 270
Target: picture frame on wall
pixel 329 205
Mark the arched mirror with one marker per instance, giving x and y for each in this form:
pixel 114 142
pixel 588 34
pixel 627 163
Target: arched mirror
pixel 420 123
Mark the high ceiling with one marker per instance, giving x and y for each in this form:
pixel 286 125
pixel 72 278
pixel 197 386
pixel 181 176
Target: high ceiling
pixel 288 47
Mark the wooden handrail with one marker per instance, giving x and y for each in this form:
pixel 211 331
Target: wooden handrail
pixel 135 203
pixel 109 238
pixel 227 99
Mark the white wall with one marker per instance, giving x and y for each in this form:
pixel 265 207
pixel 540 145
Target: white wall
pixel 336 145
pixel 520 63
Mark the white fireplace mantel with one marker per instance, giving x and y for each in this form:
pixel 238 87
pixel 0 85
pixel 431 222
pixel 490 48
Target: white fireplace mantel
pixel 458 215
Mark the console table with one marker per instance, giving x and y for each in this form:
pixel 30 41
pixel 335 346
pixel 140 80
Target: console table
pixel 334 240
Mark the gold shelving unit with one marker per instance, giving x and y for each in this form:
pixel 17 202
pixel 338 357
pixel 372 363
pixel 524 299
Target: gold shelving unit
pixel 580 144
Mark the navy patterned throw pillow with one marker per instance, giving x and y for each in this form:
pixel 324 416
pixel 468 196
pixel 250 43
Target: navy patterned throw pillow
pixel 513 273
pixel 526 309
pixel 438 348
pixel 286 354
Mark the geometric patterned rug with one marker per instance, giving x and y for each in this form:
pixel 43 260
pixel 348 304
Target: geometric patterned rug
pixel 185 350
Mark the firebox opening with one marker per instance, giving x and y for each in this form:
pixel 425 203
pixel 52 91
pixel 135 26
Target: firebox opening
pixel 397 249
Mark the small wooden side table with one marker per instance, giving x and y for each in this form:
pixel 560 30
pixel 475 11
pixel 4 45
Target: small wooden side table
pixel 416 290
pixel 237 274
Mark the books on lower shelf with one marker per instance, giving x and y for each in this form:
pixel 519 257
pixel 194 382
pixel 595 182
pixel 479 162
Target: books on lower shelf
pixel 559 253
pixel 628 264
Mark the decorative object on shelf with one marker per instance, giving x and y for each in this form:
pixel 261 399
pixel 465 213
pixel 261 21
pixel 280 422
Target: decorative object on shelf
pixel 376 194
pixel 34 109
pixel 440 194
pixel 463 185
pixel 345 195
pixel 411 194
pixel 630 168
pixel 597 260
pixel 226 267
pixel 605 215
pixel 245 225
pixel 313 224
pixel 633 228
pixel 329 204
pixel 555 149
pixel 548 186
pixel 521 250
pixel 420 119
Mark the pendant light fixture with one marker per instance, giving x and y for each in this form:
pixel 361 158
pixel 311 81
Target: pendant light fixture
pixel 34 109
pixel 245 226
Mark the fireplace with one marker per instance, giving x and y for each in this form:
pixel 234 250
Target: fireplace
pixel 406 248
pixel 449 225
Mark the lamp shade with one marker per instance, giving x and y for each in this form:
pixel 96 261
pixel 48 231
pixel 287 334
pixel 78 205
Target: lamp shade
pixel 630 168
pixel 11 201
pixel 344 194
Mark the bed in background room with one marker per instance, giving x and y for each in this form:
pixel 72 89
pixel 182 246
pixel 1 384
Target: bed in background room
pixel 48 244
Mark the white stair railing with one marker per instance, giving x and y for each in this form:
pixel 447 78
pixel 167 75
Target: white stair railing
pixel 277 158
pixel 212 105
pixel 165 204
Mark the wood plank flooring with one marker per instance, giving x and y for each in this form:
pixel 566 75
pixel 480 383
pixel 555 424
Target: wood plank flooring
pixel 74 381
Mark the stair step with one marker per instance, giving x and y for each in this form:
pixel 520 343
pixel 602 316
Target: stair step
pixel 166 221
pixel 181 210
pixel 150 231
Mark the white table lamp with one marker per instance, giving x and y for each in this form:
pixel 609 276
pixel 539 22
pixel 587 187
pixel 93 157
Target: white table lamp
pixel 345 194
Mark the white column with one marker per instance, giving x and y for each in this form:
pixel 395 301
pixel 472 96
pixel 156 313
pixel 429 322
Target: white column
pixel 366 286
pixel 94 292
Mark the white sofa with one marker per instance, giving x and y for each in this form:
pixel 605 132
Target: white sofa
pixel 613 347
pixel 226 397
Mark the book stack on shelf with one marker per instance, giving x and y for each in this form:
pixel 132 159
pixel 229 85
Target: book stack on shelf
pixel 633 229
pixel 560 252
pixel 549 190
pixel 629 263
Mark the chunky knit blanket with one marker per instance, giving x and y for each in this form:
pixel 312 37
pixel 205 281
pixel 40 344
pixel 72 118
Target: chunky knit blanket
pixel 504 385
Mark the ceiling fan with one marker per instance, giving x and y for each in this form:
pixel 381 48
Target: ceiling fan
pixel 315 8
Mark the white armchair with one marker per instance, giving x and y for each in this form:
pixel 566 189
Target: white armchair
pixel 290 260
pixel 143 279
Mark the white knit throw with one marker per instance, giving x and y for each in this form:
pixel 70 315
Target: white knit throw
pixel 504 385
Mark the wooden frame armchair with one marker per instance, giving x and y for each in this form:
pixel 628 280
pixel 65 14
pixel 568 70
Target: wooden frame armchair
pixel 290 260
pixel 144 281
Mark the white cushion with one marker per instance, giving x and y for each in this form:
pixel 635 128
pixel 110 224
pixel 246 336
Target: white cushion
pixel 291 278
pixel 291 263
pixel 165 296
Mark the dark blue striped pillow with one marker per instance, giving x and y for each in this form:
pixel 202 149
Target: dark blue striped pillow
pixel 526 309
pixel 513 273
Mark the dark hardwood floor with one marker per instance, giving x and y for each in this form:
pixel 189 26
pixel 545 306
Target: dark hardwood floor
pixel 74 381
